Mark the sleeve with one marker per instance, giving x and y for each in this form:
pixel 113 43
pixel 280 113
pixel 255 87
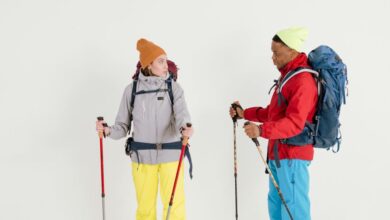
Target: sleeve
pixel 182 116
pixel 122 122
pixel 256 114
pixel 302 99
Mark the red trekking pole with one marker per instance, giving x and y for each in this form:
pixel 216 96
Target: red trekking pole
pixel 183 149
pixel 101 134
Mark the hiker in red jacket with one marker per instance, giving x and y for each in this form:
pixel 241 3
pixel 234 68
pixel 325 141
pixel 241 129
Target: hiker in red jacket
pixel 283 118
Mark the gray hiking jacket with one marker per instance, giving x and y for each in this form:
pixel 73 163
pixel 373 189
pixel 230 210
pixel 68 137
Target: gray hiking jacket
pixel 153 119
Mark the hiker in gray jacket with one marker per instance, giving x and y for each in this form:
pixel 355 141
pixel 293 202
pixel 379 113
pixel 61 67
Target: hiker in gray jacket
pixel 155 105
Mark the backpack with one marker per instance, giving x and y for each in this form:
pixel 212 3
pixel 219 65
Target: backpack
pixel 331 75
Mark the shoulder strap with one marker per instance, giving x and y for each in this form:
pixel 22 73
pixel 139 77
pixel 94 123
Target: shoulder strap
pixel 170 90
pixel 133 93
pixel 290 75
pixel 276 82
pixel 293 73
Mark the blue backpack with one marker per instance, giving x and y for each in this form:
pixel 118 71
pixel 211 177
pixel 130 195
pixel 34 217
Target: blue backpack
pixel 331 75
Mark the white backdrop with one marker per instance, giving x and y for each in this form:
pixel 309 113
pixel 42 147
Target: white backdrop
pixel 62 63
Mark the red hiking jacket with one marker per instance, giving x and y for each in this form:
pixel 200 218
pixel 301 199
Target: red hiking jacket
pixel 287 120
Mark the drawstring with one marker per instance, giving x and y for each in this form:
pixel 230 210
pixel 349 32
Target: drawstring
pixel 273 86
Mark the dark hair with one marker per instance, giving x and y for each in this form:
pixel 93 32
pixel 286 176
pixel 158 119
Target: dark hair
pixel 276 38
pixel 172 68
pixel 147 72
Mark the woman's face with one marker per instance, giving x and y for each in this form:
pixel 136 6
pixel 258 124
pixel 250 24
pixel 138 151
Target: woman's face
pixel 159 66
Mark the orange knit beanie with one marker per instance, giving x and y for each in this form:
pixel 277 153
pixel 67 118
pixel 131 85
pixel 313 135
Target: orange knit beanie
pixel 148 52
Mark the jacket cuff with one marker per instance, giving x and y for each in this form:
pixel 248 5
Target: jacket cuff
pixel 250 114
pixel 262 132
pixel 107 131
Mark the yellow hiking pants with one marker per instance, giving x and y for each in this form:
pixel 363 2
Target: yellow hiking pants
pixel 146 179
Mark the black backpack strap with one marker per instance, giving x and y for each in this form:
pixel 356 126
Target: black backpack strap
pixel 276 82
pixel 276 154
pixel 266 170
pixel 132 99
pixel 170 90
pixel 338 143
pixel 188 155
pixel 281 98
pixel 133 93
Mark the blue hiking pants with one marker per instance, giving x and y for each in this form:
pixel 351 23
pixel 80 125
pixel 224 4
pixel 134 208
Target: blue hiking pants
pixel 293 180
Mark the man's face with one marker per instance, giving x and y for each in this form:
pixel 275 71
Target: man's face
pixel 281 54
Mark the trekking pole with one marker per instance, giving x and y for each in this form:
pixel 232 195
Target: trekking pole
pixel 235 106
pixel 183 149
pixel 270 173
pixel 101 134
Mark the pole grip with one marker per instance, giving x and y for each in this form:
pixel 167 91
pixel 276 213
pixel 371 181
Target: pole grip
pixel 102 134
pixel 235 106
pixel 253 139
pixel 185 139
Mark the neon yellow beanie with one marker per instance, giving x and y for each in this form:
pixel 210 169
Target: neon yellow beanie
pixel 293 37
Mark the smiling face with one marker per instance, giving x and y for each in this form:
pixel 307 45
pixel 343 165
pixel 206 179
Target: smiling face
pixel 282 54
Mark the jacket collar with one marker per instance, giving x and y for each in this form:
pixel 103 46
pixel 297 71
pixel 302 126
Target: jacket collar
pixel 153 79
pixel 299 61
